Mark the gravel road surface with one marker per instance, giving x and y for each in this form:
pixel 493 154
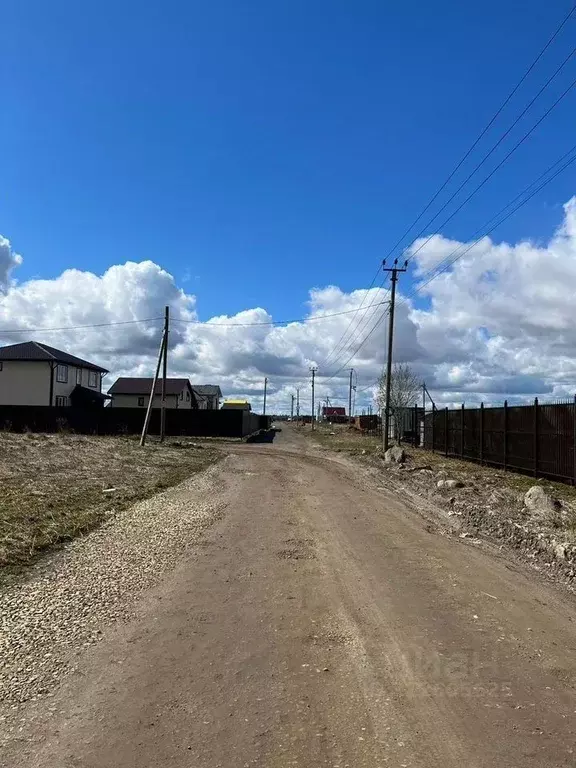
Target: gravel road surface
pixel 323 622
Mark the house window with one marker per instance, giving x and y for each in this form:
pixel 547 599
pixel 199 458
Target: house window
pixel 78 375
pixel 188 396
pixel 92 379
pixel 61 401
pixel 1 364
pixel 141 401
pixel 182 395
pixel 62 374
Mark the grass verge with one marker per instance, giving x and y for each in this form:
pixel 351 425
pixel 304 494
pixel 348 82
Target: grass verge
pixel 57 487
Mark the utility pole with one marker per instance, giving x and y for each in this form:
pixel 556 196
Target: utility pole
pixel 265 388
pixel 298 406
pixel 292 408
pixel 313 372
pixel 395 270
pixel 350 397
pixel 154 381
pixel 164 374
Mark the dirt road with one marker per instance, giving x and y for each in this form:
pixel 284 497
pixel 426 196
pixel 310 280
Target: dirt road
pixel 323 623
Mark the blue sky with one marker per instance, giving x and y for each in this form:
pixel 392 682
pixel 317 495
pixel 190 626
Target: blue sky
pixel 256 150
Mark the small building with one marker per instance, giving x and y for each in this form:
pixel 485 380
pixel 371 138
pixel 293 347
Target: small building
pixel 239 405
pixel 208 396
pixel 135 393
pixel 32 373
pixel 328 411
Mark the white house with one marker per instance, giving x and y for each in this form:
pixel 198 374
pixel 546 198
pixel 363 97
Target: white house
pixel 208 396
pixel 32 373
pixel 135 393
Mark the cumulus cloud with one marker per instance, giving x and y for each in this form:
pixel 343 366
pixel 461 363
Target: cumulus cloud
pixel 498 324
pixel 8 260
pixel 503 314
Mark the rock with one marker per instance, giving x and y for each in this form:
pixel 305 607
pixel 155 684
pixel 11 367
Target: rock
pixel 425 472
pixel 560 551
pixel 449 484
pixel 540 503
pixel 395 455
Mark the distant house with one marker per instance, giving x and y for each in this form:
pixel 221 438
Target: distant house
pixel 208 396
pixel 32 373
pixel 135 393
pixel 239 405
pixel 329 410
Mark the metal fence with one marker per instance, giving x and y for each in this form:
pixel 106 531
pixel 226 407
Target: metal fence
pixel 538 439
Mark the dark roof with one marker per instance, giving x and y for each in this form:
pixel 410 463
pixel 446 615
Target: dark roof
pixel 34 350
pixel 207 389
pixel 88 394
pixel 128 386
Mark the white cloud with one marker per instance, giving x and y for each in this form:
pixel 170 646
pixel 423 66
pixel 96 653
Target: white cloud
pixel 500 322
pixel 8 260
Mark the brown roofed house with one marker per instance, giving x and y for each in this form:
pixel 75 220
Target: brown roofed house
pixel 135 393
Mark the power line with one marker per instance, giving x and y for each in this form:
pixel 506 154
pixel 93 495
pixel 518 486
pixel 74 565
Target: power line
pixel 492 172
pixel 346 330
pixel 78 327
pixel 274 322
pixel 486 129
pixel 448 260
pixel 359 347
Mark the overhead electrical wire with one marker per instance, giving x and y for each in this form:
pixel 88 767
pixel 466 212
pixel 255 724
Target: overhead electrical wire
pixel 181 320
pixel 352 331
pixel 342 348
pixel 486 129
pixel 454 256
pixel 79 327
pixel 566 160
pixel 275 322
pixel 346 330
pixel 492 172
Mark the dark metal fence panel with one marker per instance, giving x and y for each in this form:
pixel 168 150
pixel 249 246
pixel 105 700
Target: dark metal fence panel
pixel 129 421
pixel 521 438
pixel 539 439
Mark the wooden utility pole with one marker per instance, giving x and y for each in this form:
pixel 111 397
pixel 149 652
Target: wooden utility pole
pixel 164 375
pixel 298 406
pixel 313 372
pixel 292 408
pixel 265 388
pixel 151 400
pixel 395 270
pixel 350 397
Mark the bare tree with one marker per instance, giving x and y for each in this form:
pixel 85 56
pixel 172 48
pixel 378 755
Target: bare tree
pixel 404 391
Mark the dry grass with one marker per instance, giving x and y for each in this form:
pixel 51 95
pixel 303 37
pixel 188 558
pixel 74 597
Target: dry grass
pixel 340 438
pixel 52 485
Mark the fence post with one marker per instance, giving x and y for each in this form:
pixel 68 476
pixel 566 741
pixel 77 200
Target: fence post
pixel 481 433
pixel 416 430
pixel 434 419
pixel 505 433
pixel 535 437
pixel 462 432
pixel 574 441
pixel 446 431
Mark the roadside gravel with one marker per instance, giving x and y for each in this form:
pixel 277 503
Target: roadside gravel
pixel 69 598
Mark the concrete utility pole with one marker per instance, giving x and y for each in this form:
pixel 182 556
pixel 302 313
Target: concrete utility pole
pixel 395 270
pixel 313 372
pixel 265 388
pixel 350 398
pixel 298 406
pixel 292 407
pixel 164 374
